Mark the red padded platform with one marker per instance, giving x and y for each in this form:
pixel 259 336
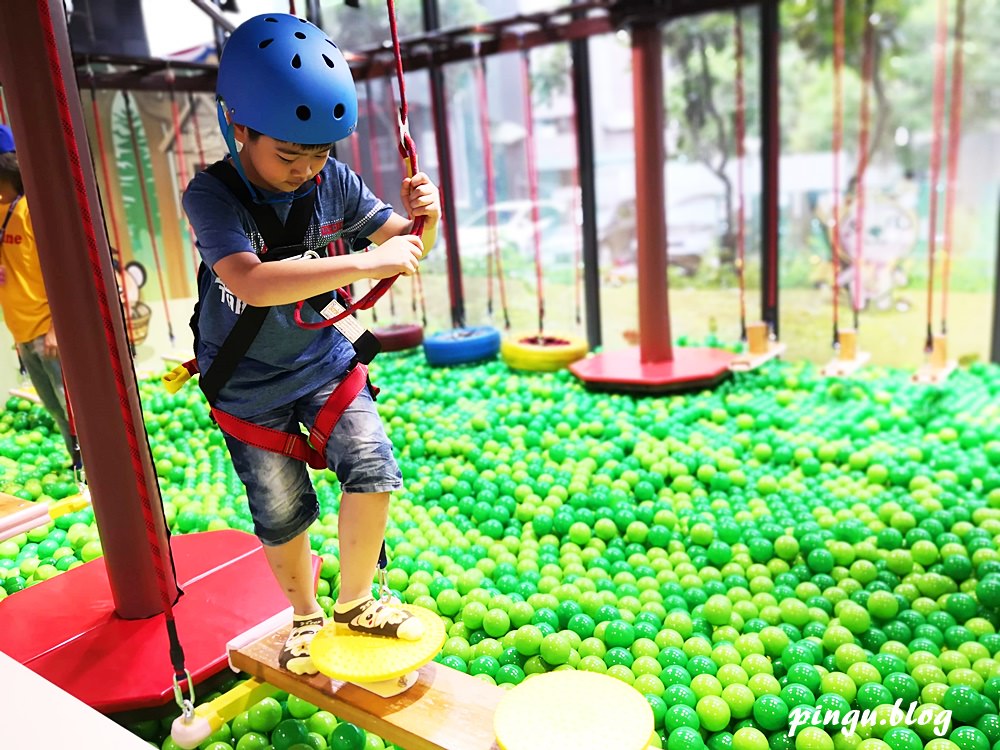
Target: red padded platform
pixel 622 371
pixel 66 630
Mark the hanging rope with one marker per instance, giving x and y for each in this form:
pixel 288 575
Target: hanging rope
pixel 940 65
pixel 3 108
pixel 741 217
pixel 838 139
pixel 193 106
pixel 529 147
pixel 954 144
pixel 494 253
pixel 160 556
pixel 377 182
pixel 408 150
pixel 357 167
pixel 112 214
pixel 867 73
pixel 141 173
pixel 182 172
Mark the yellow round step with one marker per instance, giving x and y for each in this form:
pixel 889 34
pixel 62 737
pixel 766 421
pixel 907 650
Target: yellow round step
pixel 573 709
pixel 356 657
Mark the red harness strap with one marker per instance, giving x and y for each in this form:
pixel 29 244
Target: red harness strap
pixel 295 445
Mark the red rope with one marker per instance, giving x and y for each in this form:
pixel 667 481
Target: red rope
pixel 161 560
pixel 494 252
pixel 112 214
pixel 377 183
pixel 197 130
pixel 867 72
pixel 838 139
pixel 940 66
pixel 529 147
pixel 357 167
pixel 408 150
pixel 3 109
pixel 741 220
pixel 175 115
pixel 141 173
pixel 954 144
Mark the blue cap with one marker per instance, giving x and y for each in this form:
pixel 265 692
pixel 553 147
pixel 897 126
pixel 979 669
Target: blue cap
pixel 6 139
pixel 285 78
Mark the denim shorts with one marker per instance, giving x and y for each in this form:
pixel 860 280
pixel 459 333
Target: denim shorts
pixel 282 499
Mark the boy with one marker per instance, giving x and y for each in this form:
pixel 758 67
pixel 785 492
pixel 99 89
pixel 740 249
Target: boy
pixel 22 292
pixel 286 94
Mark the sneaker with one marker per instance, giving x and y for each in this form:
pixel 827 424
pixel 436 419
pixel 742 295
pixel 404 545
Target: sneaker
pixel 379 618
pixel 295 655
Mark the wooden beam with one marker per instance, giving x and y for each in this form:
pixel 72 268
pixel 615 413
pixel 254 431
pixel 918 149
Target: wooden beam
pixel 444 710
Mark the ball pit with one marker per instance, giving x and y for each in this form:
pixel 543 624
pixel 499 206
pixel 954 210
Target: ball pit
pixel 781 544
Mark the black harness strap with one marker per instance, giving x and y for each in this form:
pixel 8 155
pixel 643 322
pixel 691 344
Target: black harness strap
pixel 280 241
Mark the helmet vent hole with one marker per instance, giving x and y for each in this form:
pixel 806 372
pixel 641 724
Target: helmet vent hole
pixel 303 112
pixel 339 111
pixel 330 42
pixel 328 61
pixel 264 44
pixel 296 62
pixel 299 35
pixel 271 20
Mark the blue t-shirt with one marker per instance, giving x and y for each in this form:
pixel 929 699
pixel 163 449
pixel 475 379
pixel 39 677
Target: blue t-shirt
pixel 285 361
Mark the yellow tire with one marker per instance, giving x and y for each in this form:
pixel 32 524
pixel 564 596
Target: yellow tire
pixel 555 352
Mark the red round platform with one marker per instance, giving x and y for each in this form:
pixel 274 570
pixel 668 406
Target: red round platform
pixel 624 372
pixel 66 629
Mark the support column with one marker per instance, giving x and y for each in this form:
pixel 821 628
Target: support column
pixel 770 86
pixel 650 193
pixel 446 175
pixel 46 116
pixel 580 50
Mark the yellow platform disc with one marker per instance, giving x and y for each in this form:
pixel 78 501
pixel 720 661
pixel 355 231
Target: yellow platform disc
pixel 356 657
pixel 573 710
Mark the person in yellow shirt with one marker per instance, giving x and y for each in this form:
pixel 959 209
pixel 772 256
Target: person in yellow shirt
pixel 22 292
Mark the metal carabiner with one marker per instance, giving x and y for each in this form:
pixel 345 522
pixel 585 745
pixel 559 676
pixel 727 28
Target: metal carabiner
pixel 186 705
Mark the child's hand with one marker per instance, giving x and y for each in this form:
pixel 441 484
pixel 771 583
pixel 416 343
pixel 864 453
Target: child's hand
pixel 421 197
pixel 397 255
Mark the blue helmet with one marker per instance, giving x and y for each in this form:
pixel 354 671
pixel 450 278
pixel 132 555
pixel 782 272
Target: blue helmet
pixel 285 78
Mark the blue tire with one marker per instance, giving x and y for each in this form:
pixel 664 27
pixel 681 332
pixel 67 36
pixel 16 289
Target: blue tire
pixel 461 346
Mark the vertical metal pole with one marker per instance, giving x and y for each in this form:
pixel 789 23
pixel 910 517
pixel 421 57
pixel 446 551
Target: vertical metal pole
pixel 650 193
pixel 770 49
pixel 580 51
pixel 995 339
pixel 36 66
pixel 446 176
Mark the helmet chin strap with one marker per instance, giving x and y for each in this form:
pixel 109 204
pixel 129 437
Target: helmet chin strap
pixel 229 135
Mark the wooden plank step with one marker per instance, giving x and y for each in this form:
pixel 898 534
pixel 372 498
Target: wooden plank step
pixel 444 710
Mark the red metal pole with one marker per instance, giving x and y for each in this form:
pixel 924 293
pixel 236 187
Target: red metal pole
pixel 650 194
pixel 47 117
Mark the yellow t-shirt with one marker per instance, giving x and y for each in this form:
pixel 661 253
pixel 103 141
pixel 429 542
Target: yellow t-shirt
pixel 22 295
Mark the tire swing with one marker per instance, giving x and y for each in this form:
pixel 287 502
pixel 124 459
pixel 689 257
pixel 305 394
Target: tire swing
pixel 467 345
pixel 539 352
pixel 396 337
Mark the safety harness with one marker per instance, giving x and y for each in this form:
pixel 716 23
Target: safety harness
pixel 281 241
